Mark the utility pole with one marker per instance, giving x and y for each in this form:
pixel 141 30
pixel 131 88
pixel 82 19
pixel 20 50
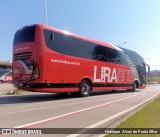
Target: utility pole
pixel 46 12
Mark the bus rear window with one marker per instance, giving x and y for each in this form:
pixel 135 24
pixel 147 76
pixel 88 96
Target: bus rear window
pixel 26 34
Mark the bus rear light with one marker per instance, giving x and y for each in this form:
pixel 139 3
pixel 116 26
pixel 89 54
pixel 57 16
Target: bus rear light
pixel 35 73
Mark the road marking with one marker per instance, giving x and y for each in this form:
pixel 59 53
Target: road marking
pixel 74 112
pixel 112 117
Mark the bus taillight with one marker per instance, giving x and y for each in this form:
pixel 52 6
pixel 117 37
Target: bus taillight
pixel 35 73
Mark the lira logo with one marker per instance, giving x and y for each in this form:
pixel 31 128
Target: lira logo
pixel 109 75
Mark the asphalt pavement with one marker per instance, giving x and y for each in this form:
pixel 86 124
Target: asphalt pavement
pixel 100 110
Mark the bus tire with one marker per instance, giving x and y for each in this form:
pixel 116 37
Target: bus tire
pixel 134 87
pixel 85 88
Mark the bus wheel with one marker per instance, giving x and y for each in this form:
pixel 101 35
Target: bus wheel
pixel 134 87
pixel 85 88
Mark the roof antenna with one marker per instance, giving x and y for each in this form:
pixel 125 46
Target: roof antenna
pixel 46 12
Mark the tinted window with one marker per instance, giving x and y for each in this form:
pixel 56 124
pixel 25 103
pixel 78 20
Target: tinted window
pixel 115 56
pixel 67 45
pixel 26 34
pixel 132 58
pixel 100 53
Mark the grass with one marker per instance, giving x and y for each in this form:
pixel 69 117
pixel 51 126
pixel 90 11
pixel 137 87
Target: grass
pixel 17 91
pixel 147 117
pixel 153 79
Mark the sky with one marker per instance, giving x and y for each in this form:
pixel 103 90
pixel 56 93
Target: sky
pixel 133 24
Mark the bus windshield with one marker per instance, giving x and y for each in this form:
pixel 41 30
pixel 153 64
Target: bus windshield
pixel 26 34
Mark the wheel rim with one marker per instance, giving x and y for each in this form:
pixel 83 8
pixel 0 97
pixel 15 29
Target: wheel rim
pixel 85 89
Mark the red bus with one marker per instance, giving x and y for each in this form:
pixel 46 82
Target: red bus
pixel 47 59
